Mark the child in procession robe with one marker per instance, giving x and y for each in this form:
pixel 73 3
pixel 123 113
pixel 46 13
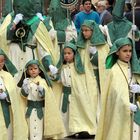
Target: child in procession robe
pixel 12 123
pixel 79 100
pixel 42 114
pixel 123 80
pixel 93 50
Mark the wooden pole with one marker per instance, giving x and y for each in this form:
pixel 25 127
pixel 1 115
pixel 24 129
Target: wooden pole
pixel 133 37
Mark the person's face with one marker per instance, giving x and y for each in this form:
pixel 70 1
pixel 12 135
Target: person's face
pixel 100 8
pixel 81 8
pixel 68 55
pixel 107 4
pixel 125 53
pixel 87 6
pixel 87 32
pixel 33 70
pixel 2 61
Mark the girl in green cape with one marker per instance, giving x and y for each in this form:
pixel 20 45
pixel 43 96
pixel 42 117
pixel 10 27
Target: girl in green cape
pixel 93 50
pixel 123 81
pixel 79 102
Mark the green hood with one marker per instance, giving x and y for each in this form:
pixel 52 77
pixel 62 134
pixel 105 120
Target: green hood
pixel 43 73
pixel 60 16
pixel 31 62
pixel 18 6
pixel 118 29
pixel 77 58
pixel 112 57
pixel 8 64
pixel 97 37
pixel 118 9
pixel 28 8
pixel 120 26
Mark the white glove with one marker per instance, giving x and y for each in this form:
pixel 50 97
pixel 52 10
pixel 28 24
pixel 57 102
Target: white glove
pixel 18 18
pixel 69 35
pixel 40 16
pixel 93 50
pixel 26 81
pixel 3 95
pixel 53 69
pixel 133 107
pixel 40 90
pixel 71 32
pixel 25 85
pixel 134 28
pixel 135 88
pixel 52 33
pixel 2 87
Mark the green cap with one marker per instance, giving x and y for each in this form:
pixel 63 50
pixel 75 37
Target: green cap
pixel 31 62
pixel 70 45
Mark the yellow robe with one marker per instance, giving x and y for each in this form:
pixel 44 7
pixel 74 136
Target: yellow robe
pixel 115 117
pixel 3 33
pixel 103 51
pixel 83 100
pixel 19 126
pixel 91 82
pixel 103 73
pixel 53 125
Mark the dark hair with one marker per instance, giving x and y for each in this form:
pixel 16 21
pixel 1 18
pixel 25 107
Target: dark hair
pixel 128 7
pixel 111 2
pixel 93 7
pixel 83 2
pixel 64 62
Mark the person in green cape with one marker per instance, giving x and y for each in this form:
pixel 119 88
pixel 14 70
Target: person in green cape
pixel 66 30
pixel 93 49
pixel 42 114
pixel 123 82
pixel 120 26
pixel 25 36
pixel 13 125
pixel 78 101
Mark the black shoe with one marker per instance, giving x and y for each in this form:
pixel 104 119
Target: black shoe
pixel 85 135
pixel 82 135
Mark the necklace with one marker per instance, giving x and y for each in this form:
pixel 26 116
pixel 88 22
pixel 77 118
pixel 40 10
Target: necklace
pixel 128 83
